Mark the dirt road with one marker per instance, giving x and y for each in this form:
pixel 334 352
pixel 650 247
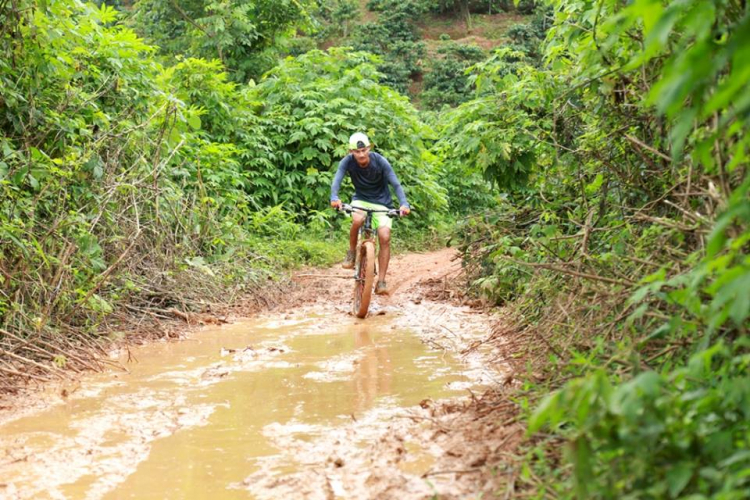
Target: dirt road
pixel 309 402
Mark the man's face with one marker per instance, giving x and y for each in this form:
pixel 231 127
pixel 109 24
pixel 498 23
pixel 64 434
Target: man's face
pixel 362 155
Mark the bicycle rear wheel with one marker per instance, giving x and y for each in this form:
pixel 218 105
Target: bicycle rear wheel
pixel 364 278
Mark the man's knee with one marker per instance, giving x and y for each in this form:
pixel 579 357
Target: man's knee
pixel 384 235
pixel 357 220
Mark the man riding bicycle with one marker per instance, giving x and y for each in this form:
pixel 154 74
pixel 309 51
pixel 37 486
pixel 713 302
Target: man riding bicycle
pixel 370 173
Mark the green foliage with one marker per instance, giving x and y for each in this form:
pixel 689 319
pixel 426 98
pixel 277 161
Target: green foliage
pixel 478 6
pixel 243 34
pixel 439 6
pixel 636 186
pixel 312 104
pixel 495 136
pixel 216 160
pixel 338 15
pixel 71 154
pixel 394 37
pixel 528 37
pixel 669 435
pixel 502 277
pixel 446 81
pixel 468 192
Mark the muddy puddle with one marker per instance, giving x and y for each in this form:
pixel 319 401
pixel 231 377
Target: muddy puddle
pixel 235 411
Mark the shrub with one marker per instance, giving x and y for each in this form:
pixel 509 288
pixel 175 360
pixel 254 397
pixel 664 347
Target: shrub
pixel 446 82
pixel 312 104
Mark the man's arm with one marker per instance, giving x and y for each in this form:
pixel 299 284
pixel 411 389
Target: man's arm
pixel 336 184
pixel 390 176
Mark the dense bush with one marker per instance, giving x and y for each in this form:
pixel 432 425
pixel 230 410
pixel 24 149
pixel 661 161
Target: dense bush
pixel 446 81
pixel 528 38
pixel 337 17
pixel 625 159
pixel 490 135
pixel 477 6
pixel 244 35
pixel 312 104
pixel 395 38
pixel 105 174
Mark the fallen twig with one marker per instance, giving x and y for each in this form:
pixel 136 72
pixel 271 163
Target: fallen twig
pixel 54 371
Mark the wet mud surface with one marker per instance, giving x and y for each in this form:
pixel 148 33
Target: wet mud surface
pixel 306 403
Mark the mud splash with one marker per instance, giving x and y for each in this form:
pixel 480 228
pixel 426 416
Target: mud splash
pixel 297 405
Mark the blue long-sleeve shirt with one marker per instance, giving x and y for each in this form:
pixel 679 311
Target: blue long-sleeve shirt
pixel 370 182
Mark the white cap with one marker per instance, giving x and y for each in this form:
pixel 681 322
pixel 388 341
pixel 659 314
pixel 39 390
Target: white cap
pixel 358 141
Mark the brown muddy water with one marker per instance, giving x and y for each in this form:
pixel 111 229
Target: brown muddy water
pixel 228 408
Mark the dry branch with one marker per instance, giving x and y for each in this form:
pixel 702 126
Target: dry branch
pixel 103 277
pixel 642 145
pixel 48 369
pixel 593 277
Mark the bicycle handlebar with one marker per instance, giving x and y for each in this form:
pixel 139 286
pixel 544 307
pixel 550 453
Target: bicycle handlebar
pixel 390 212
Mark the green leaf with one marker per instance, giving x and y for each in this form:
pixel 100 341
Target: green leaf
pixel 36 155
pixel 18 243
pixel 738 292
pixel 98 304
pixel 545 413
pixel 194 121
pixel 582 455
pixel 175 137
pixel 594 186
pixel 98 171
pixel 678 478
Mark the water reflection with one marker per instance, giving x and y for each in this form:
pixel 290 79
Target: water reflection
pixel 373 370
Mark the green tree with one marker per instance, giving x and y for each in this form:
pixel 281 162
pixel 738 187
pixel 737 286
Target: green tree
pixel 245 35
pixel 312 104
pixel 495 134
pixel 394 37
pixel 339 16
pixel 632 214
pixel 446 81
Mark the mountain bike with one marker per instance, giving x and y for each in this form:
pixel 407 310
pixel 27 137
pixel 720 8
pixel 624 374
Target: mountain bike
pixel 364 263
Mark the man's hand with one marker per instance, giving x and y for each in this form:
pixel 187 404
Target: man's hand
pixel 405 210
pixel 336 204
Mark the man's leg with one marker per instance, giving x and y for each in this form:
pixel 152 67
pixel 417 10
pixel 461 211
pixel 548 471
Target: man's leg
pixel 357 221
pixel 384 256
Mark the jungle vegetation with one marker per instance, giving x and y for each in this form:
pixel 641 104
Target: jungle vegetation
pixel 158 154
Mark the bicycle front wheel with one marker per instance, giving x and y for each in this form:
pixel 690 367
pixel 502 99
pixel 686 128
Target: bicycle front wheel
pixel 364 279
